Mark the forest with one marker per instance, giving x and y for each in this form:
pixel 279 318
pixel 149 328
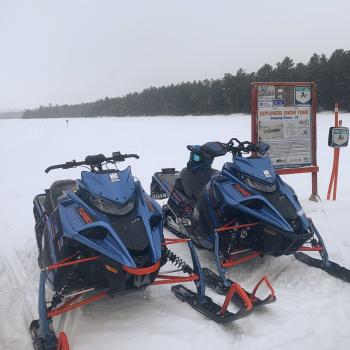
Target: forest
pixel 230 94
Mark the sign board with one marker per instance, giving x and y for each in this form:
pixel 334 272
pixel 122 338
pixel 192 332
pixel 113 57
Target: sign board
pixel 287 131
pixel 284 116
pixel 338 137
pixel 284 122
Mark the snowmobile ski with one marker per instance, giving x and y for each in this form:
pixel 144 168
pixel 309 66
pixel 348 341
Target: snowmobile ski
pixel 207 307
pixel 330 267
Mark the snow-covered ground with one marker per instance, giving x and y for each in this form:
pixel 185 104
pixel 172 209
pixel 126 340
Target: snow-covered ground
pixel 312 310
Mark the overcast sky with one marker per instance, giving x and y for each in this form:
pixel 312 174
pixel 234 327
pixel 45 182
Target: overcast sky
pixel 71 51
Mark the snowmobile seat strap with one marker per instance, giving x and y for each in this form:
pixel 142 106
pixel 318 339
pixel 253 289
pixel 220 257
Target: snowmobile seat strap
pixel 272 291
pixel 143 270
pixel 236 289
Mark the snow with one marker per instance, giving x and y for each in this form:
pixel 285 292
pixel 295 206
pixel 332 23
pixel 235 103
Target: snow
pixel 312 310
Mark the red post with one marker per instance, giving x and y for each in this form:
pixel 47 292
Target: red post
pixel 333 183
pixel 254 111
pixel 314 186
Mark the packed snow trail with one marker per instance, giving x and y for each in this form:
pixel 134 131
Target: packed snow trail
pixel 312 309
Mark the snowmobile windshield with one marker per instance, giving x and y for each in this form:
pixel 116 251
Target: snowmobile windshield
pixel 111 208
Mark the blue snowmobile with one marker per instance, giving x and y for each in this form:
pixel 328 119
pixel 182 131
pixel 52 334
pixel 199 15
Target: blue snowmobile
pixel 102 235
pixel 241 212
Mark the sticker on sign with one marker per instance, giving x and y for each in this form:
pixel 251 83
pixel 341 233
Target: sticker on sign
pixel 302 95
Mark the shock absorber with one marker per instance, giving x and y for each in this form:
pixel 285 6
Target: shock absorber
pixel 177 261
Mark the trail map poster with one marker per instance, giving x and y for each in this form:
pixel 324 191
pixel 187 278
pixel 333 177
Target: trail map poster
pixel 284 122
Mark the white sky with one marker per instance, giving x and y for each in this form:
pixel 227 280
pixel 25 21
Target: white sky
pixel 71 51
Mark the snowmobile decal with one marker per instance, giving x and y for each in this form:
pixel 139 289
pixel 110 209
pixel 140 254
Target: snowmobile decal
pixel 241 190
pixel 84 215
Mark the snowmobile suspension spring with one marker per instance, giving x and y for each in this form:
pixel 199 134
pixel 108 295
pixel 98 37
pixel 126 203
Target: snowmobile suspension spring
pixel 177 261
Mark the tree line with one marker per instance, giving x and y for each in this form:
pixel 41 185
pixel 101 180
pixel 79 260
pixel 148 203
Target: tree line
pixel 230 94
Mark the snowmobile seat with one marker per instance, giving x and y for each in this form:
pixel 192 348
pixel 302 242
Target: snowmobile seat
pixel 193 182
pixel 56 190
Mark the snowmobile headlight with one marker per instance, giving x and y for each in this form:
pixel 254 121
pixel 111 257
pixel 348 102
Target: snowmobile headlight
pixel 262 187
pixel 112 208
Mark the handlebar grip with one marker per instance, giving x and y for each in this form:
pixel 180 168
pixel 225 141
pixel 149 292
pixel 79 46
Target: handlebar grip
pixel 131 156
pixel 52 167
pixel 67 165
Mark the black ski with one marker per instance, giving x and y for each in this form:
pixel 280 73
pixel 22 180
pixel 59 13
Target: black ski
pixel 331 268
pixel 207 307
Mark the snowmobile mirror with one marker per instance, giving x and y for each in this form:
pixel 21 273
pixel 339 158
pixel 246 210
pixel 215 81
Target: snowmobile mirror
pixel 263 148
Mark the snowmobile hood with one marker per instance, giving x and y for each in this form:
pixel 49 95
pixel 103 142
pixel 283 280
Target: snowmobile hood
pixel 114 240
pixel 259 168
pixel 117 186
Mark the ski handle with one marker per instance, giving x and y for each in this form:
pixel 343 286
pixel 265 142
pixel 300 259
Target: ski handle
pixel 94 161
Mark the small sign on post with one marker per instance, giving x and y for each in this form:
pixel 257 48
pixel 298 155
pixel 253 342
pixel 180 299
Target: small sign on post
pixel 338 137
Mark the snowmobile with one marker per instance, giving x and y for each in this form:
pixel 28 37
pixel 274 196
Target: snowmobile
pixel 241 212
pixel 102 235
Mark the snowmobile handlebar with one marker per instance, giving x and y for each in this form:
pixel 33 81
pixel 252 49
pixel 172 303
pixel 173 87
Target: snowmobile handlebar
pixel 211 150
pixel 246 147
pixel 94 161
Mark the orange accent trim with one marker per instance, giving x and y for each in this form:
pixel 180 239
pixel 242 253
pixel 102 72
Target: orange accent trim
pixel 311 249
pixel 175 240
pixel 263 279
pixel 227 228
pixel 302 170
pixel 85 216
pixel 229 223
pixel 235 288
pixel 175 279
pixel 68 258
pixel 142 271
pixel 234 262
pixel 69 306
pixel 63 342
pixel 80 261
